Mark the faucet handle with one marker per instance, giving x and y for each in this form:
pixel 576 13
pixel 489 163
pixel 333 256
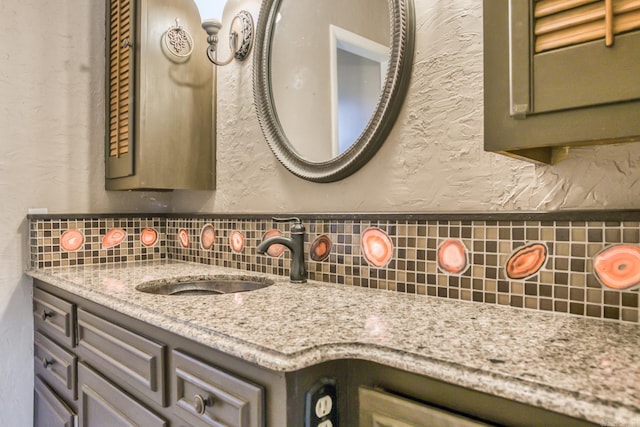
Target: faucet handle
pixel 290 219
pixel 297 226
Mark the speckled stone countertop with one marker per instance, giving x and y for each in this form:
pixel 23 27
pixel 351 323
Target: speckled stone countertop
pixel 581 367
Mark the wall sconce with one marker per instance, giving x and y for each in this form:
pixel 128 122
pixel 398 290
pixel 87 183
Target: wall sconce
pixel 241 31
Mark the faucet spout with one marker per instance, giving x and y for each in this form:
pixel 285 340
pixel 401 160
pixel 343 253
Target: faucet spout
pixel 295 244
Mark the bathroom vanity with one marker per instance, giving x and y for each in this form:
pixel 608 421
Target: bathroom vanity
pixel 104 350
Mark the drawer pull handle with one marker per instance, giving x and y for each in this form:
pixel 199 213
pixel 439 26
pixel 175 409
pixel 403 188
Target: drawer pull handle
pixel 48 362
pixel 46 314
pixel 200 404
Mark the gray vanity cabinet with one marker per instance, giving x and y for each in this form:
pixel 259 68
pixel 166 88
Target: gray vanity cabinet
pixel 121 371
pixel 107 369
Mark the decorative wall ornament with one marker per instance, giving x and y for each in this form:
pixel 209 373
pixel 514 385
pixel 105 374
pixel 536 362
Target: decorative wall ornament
pixel 618 266
pixel 148 237
pixel 320 248
pixel 274 250
pixel 377 247
pixel 453 257
pixel 236 241
pixel 183 238
pixel 178 41
pixel 71 240
pixel 113 238
pixel 207 237
pixel 526 261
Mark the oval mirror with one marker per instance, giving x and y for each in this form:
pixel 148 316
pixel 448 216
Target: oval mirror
pixel 329 80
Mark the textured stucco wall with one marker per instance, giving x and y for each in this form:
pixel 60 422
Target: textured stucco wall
pixel 434 158
pixel 51 155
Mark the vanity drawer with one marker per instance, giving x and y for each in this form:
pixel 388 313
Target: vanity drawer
pixel 207 396
pixel 127 358
pixel 54 316
pixel 56 365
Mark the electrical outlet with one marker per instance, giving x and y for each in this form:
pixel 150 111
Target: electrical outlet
pixel 324 406
pixel 321 406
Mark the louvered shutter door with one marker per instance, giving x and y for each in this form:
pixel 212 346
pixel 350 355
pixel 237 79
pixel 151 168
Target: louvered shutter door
pixel 120 89
pixel 562 23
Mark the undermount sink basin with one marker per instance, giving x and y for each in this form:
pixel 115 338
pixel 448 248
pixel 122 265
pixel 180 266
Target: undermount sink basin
pixel 210 286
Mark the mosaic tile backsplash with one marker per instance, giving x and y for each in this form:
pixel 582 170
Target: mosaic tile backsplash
pixel 532 264
pixel 75 241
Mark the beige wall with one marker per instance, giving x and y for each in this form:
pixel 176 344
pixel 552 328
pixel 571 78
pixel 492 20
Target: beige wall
pixel 434 158
pixel 51 155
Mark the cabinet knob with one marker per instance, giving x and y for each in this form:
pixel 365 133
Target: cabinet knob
pixel 46 314
pixel 47 362
pixel 200 404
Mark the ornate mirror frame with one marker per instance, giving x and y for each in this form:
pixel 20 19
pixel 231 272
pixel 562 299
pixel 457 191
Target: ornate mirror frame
pixel 402 28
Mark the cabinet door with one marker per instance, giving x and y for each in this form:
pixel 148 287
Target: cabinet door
pixel 159 94
pixel 102 404
pixel 48 409
pixel 382 409
pixel 552 80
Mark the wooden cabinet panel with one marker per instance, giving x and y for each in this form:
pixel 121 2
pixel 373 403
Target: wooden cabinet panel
pixel 54 316
pixel 127 357
pixel 57 366
pixel 208 396
pixel 48 409
pixel 104 404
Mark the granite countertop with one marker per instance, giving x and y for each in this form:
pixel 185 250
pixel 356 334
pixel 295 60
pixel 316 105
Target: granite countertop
pixel 585 368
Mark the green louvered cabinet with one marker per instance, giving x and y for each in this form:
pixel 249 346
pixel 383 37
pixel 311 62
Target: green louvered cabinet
pixel 560 73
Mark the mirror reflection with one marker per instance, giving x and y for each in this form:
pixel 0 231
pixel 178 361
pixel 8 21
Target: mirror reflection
pixel 328 65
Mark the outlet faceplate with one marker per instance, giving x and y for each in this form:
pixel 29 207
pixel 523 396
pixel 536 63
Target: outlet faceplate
pixel 321 406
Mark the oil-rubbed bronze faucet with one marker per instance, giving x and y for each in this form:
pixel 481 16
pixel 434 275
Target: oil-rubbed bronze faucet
pixel 295 245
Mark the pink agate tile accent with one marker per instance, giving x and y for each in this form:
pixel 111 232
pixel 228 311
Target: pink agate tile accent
pixel 183 238
pixel 320 248
pixel 377 247
pixel 236 241
pixel 71 240
pixel 148 237
pixel 113 238
pixel 526 261
pixel 618 266
pixel 453 257
pixel 274 250
pixel 207 237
